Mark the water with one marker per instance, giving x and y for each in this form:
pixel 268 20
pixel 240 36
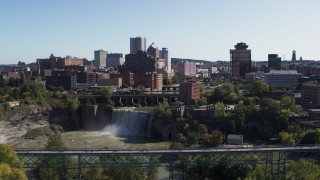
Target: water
pixel 98 140
pixel 127 122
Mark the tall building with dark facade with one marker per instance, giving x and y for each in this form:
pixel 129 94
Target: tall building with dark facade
pixel 137 44
pixel 139 62
pixel 240 60
pixel 114 59
pixel 274 62
pixel 310 95
pixel 66 81
pixel 294 56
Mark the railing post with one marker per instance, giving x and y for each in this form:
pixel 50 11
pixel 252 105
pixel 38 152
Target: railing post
pixel 79 166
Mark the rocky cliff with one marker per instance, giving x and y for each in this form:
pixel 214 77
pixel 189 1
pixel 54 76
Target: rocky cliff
pixel 21 120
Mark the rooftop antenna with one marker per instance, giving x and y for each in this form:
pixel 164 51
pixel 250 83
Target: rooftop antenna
pixel 284 57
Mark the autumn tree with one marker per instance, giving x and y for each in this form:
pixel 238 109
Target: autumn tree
pixel 10 164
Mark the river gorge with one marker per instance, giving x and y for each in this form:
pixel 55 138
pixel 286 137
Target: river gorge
pixel 102 127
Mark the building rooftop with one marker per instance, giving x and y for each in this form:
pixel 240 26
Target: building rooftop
pixel 241 45
pixel 283 72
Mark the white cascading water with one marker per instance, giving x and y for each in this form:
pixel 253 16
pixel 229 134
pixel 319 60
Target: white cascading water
pixel 126 122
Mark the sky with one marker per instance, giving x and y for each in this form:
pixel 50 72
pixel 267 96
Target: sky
pixel 195 29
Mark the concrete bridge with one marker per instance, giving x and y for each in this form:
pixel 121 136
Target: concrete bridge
pixel 274 159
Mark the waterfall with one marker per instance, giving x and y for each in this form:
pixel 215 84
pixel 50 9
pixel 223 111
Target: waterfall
pixel 126 122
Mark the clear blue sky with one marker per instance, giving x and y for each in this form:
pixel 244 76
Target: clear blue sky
pixel 200 29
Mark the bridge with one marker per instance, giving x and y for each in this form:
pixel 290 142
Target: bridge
pixel 145 99
pixel 274 159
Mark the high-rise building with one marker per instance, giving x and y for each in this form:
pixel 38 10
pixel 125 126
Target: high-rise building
pixel 153 51
pixel 274 62
pixel 114 59
pixel 166 55
pixel 294 56
pixel 137 44
pixel 140 62
pixel 240 60
pixel 100 58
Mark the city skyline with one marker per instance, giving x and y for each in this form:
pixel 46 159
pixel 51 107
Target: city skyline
pixel 190 29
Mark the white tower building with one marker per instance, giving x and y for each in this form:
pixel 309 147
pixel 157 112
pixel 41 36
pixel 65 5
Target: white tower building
pixel 100 58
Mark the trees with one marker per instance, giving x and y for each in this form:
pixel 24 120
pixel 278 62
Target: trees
pixel 312 137
pixel 33 90
pixel 219 111
pixel 258 88
pixel 163 111
pixel 227 93
pixel 177 79
pixel 286 138
pixel 105 93
pixel 10 165
pixel 303 170
pixel 48 168
pixel 288 103
pixel 214 138
pixel 65 102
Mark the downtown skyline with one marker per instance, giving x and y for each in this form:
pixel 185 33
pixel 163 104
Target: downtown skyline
pixel 190 29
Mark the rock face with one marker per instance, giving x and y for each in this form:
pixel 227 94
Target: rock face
pixel 12 129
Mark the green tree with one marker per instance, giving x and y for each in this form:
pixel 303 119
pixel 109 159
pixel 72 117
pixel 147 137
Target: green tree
pixel 152 171
pixel 162 111
pixel 125 173
pixel 219 111
pixel 312 137
pixel 303 170
pixel 225 93
pixel 258 88
pixel 217 138
pixel 54 167
pixel 286 138
pixel 33 90
pixel 202 101
pixel 180 138
pixel 106 93
pixel 288 103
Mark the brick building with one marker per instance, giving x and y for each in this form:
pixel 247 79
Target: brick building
pixel 127 78
pixel 189 91
pixel 153 81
